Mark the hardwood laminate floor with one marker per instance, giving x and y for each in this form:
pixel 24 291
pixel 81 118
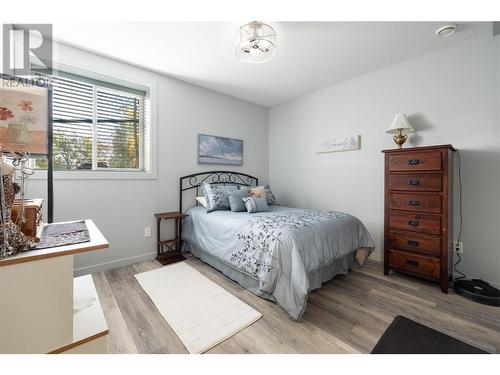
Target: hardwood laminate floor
pixel 347 315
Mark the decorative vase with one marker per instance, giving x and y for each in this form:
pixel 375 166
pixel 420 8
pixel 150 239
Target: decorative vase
pixel 18 133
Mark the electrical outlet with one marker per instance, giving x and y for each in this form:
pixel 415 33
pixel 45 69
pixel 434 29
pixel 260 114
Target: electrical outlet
pixel 458 247
pixel 147 232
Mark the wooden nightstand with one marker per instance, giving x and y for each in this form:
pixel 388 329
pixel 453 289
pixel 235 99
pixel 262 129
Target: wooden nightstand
pixel 169 251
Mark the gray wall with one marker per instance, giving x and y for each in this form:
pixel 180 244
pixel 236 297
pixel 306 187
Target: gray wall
pixel 451 96
pixel 122 208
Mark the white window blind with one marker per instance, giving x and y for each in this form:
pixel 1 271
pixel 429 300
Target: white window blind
pixel 97 126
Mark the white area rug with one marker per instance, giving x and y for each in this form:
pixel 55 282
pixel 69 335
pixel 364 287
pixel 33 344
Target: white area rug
pixel 201 313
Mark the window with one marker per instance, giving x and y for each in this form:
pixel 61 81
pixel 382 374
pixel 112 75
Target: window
pixel 96 125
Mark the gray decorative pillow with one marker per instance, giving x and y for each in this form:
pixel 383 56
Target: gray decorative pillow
pixel 264 191
pixel 236 201
pixel 244 187
pixel 254 205
pixel 271 199
pixel 217 196
pixel 229 188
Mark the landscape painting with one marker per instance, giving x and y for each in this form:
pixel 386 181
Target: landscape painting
pixel 219 150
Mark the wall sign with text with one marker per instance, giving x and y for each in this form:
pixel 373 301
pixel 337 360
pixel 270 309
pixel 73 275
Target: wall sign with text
pixel 339 144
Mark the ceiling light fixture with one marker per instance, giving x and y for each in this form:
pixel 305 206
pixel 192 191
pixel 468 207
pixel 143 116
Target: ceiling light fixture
pixel 257 42
pixel 446 30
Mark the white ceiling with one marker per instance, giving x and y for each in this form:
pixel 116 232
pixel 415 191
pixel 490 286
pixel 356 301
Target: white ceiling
pixel 310 55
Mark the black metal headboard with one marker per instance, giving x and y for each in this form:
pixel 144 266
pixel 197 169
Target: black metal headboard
pixel 193 181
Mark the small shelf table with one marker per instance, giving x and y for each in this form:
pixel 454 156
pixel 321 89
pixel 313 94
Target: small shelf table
pixel 169 251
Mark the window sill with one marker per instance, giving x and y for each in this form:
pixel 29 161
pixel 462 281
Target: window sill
pixel 95 175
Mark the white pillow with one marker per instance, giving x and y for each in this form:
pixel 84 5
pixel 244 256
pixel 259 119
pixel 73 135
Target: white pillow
pixel 202 201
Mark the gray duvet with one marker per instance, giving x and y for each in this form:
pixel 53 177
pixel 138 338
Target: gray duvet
pixel 280 248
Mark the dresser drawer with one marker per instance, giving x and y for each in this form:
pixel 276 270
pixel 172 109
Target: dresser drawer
pixel 419 243
pixel 418 264
pixel 416 161
pixel 423 223
pixel 416 182
pixel 415 202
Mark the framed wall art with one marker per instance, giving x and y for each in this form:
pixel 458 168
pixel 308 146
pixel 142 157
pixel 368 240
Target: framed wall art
pixel 24 116
pixel 26 123
pixel 336 144
pixel 219 150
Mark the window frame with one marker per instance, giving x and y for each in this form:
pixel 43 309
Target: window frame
pixel 148 162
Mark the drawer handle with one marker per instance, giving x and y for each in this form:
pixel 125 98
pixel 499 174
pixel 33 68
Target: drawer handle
pixel 414 182
pixel 413 243
pixel 412 263
pixel 413 223
pixel 414 202
pixel 413 161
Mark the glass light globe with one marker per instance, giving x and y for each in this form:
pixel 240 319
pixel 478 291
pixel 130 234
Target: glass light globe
pixel 257 42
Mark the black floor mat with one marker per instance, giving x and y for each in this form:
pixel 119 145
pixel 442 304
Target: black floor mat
pixel 404 336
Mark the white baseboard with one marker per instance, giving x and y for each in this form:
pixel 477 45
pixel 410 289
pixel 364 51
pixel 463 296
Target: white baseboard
pixel 113 264
pixel 376 256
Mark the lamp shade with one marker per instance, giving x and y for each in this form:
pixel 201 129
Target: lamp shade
pixel 400 122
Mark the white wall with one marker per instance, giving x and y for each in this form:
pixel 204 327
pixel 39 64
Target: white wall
pixel 451 96
pixel 122 208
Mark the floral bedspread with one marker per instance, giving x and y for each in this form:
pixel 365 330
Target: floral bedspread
pixel 281 248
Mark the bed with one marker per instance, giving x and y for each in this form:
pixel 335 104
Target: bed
pixel 281 255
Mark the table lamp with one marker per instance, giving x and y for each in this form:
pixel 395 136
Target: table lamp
pixel 398 125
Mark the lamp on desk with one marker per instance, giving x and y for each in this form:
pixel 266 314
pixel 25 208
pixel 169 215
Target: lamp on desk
pixel 399 125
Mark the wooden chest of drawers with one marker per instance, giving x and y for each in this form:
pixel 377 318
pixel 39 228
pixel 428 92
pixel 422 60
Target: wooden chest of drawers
pixel 418 226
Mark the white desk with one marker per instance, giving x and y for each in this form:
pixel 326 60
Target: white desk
pixel 36 298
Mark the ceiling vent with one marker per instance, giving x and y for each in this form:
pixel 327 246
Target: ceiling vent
pixel 446 30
